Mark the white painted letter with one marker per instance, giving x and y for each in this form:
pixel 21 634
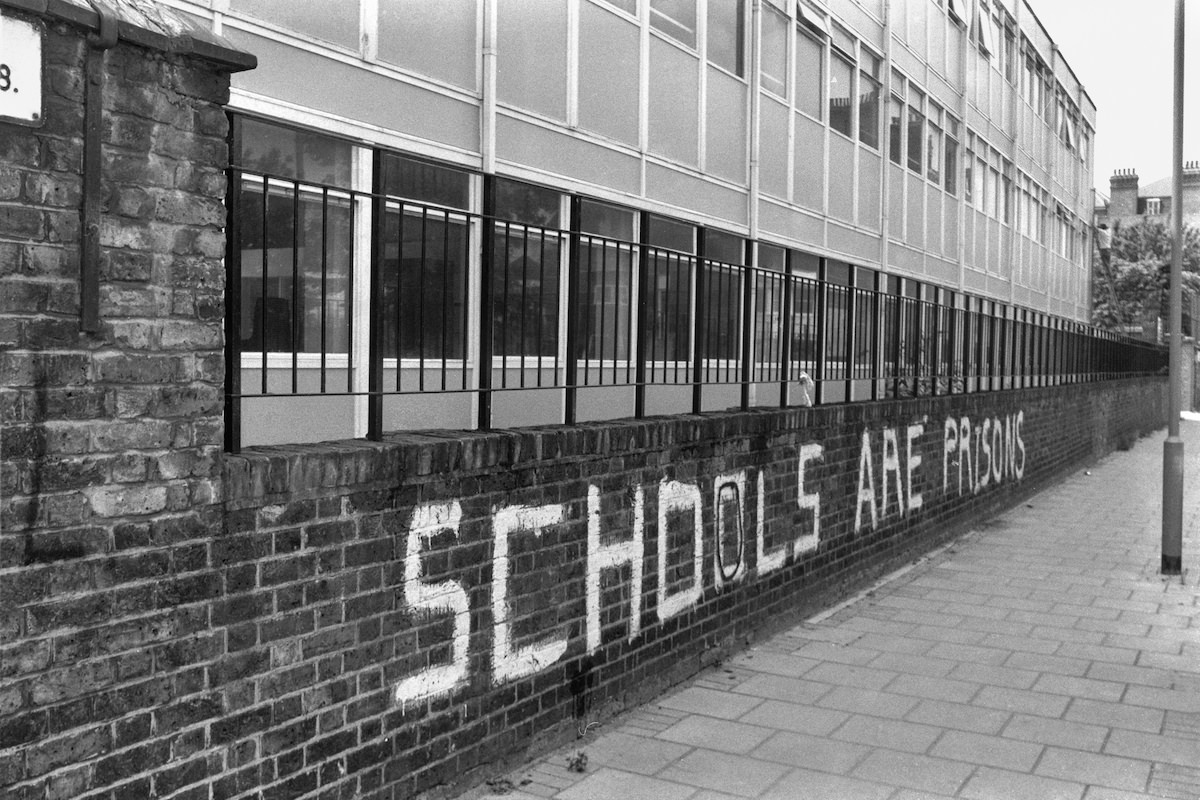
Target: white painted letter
pixel 428 599
pixel 1020 446
pixel 722 572
pixel 805 544
pixel 676 496
pixel 891 464
pixel 964 453
pixel 949 445
pixel 768 562
pixel 997 451
pixel 612 556
pixel 914 460
pixel 509 663
pixel 866 494
pixel 985 442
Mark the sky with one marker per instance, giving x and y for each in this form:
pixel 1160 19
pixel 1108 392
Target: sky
pixel 1123 53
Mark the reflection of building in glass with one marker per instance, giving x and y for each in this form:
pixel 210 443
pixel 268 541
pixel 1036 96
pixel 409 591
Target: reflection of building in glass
pixel 435 206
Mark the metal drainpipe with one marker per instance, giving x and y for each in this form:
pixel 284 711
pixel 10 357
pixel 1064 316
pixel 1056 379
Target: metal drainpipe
pixel 89 258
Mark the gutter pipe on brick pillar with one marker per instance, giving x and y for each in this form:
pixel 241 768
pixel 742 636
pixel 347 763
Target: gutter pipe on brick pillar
pixel 1172 512
pixel 93 132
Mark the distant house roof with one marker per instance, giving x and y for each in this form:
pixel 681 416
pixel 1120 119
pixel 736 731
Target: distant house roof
pixel 1159 188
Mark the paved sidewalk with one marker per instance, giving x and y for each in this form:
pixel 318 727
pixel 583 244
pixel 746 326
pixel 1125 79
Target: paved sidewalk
pixel 1040 656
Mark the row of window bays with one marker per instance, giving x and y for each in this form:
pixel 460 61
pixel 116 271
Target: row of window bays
pixel 815 74
pixel 556 273
pixel 927 137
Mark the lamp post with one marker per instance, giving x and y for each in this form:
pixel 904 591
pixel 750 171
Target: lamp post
pixel 1172 512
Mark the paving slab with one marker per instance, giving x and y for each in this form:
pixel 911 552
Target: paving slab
pixel 1040 656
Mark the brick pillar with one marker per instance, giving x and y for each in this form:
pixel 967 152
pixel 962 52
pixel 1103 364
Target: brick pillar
pixel 110 441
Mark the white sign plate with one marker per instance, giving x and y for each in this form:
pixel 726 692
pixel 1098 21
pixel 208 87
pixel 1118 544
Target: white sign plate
pixel 20 72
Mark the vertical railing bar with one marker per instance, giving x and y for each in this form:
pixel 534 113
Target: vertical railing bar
pixel 444 333
pixel 424 258
pixel 504 348
pixel 574 351
pixel 466 300
pixel 263 296
pixel 643 278
pixel 324 278
pixel 294 317
pixel 749 285
pixel 397 329
pixel 375 300
pixel 699 327
pixel 487 300
pixel 629 333
pixel 233 302
pixel 350 294
pixel 819 321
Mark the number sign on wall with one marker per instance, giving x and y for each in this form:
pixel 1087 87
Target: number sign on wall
pixel 20 72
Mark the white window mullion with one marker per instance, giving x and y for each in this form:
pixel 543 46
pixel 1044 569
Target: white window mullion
pixel 369 29
pixel 360 347
pixel 702 47
pixel 573 34
pixel 474 296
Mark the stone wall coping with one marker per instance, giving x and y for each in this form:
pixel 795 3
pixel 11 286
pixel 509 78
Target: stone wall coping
pixel 147 24
pixel 283 473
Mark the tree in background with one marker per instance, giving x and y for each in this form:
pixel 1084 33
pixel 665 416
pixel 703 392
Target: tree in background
pixel 1133 290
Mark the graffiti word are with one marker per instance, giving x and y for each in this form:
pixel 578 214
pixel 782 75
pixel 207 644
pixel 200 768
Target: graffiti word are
pixel 896 470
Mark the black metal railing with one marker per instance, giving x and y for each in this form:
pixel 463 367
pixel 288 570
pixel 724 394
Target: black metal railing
pixel 477 307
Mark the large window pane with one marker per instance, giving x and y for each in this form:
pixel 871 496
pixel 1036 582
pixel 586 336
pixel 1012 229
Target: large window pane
pixel 841 76
pixel 425 261
pixel 605 272
pixel 868 110
pixel 774 50
pixel 675 18
pixel 950 173
pixel 293 153
pixel 292 239
pixel 916 132
pixel 810 56
pixel 672 235
pixel 934 154
pixel 896 129
pixel 726 35
pixel 723 254
pixel 669 279
pixel 426 182
pixel 294 247
pixel 725 247
pixel 523 202
pixel 525 270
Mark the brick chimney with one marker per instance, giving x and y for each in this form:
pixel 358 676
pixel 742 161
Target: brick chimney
pixel 1191 193
pixel 1123 191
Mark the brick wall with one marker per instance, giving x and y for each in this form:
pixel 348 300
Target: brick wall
pixel 409 614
